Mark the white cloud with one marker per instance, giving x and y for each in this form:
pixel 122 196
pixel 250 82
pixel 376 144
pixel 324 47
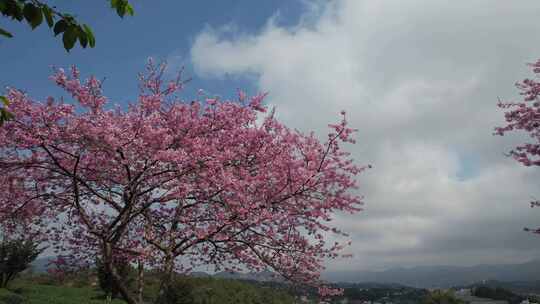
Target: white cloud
pixel 420 80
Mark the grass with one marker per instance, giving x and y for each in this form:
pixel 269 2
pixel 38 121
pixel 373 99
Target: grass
pixel 43 290
pixel 47 294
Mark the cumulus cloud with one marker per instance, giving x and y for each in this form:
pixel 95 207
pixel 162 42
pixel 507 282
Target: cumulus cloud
pixel 420 79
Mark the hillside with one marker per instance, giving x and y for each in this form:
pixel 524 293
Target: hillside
pixel 442 276
pixel 81 288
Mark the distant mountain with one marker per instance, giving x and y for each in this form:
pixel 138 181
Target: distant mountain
pixel 442 276
pixel 41 265
pixel 271 277
pixel 371 285
pixel 519 287
pixel 520 278
pixel 265 276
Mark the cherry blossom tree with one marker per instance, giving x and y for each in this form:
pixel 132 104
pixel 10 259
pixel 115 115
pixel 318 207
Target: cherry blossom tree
pixel 525 116
pixel 176 184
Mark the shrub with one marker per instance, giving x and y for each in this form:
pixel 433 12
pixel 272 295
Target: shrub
pixel 16 256
pixel 179 291
pixel 105 280
pixel 11 298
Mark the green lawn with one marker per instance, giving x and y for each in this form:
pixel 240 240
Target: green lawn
pixel 48 294
pixel 203 290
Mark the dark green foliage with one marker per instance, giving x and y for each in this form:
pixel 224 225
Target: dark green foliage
pixel 4 114
pixel 497 294
pixel 16 256
pixel 179 291
pixel 371 294
pixel 35 11
pixel 10 297
pixel 377 293
pixel 89 35
pixel 210 290
pixel 105 280
pixel 441 297
pixel 5 33
pixel 122 7
pixel 70 37
pixel 33 15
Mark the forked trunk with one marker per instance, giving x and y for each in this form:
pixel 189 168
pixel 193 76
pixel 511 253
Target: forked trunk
pixel 117 279
pixel 167 277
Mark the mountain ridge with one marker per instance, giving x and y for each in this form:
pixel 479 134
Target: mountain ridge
pixel 442 276
pixel 436 276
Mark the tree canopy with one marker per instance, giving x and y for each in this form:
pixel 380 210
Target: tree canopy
pixel 176 184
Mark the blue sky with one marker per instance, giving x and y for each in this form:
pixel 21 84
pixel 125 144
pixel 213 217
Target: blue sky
pixel 159 29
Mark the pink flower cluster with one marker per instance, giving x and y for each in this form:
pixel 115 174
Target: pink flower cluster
pixel 525 116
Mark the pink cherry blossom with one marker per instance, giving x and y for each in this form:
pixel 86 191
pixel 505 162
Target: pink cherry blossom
pixel 524 116
pixel 175 184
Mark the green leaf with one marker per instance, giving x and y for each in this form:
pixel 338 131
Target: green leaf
pixel 5 116
pixel 121 7
pixel 15 10
pixel 33 15
pixel 121 11
pixel 83 40
pixel 70 37
pixel 47 12
pixel 129 9
pixel 4 100
pixel 5 33
pixel 60 27
pixel 89 35
pixel 3 6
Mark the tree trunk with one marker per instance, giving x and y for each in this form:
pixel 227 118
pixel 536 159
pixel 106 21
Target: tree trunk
pixel 108 259
pixel 140 281
pixel 167 277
